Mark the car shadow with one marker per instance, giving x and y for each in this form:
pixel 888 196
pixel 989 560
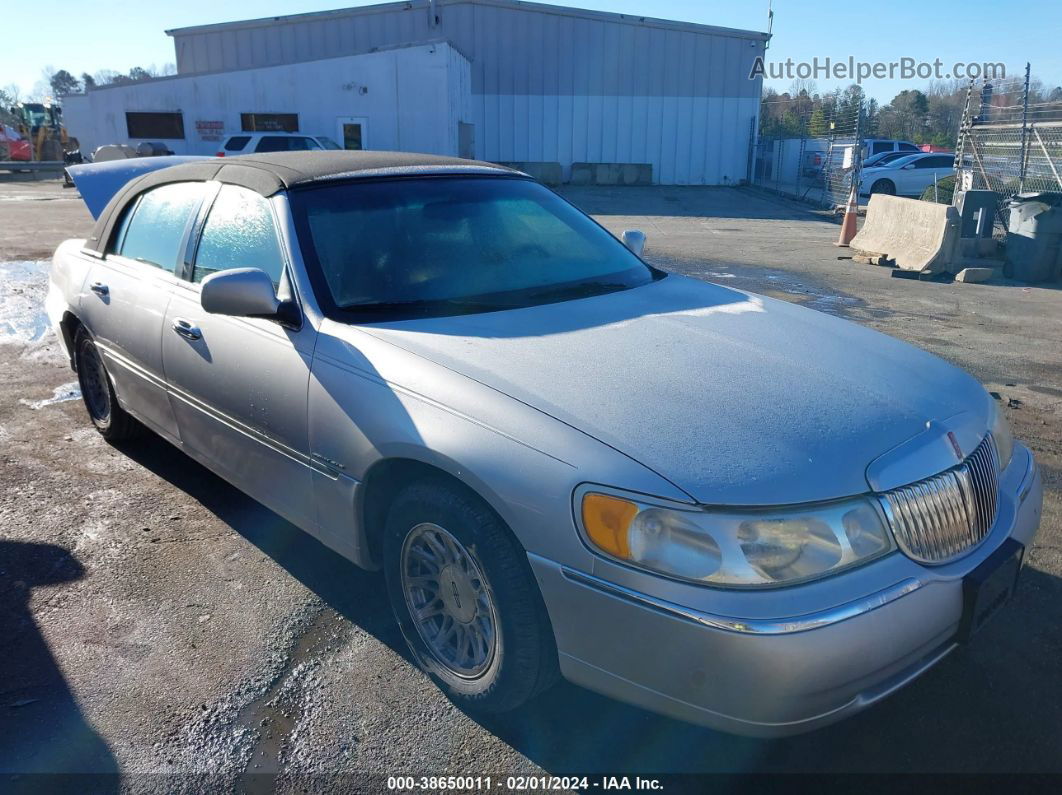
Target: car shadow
pixel 46 744
pixel 995 706
pixel 358 595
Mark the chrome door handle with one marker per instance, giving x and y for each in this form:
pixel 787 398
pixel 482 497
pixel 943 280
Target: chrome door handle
pixel 99 288
pixel 186 329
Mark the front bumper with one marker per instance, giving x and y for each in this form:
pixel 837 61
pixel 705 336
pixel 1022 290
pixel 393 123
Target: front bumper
pixel 763 674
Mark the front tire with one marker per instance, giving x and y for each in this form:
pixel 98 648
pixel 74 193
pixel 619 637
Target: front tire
pixel 110 419
pixel 465 599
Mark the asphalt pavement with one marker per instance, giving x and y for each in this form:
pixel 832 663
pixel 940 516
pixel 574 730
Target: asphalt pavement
pixel 157 624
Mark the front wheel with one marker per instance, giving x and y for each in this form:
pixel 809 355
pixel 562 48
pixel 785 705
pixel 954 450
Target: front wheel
pixel 465 599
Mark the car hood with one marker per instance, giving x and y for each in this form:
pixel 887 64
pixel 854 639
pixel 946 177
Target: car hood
pixel 735 398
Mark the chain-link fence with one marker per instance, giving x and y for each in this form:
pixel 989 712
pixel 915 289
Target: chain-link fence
pixel 1010 143
pixel 812 153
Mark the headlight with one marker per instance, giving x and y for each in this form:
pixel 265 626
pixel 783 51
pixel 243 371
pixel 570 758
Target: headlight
pixel 1002 436
pixel 736 547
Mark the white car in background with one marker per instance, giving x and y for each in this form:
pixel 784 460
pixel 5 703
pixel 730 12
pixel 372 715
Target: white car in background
pixel 250 142
pixel 908 176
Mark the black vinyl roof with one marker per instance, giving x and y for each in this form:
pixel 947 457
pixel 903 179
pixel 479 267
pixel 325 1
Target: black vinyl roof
pixel 272 172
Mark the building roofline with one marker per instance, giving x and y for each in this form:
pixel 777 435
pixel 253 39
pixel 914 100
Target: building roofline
pixel 406 45
pixel 542 8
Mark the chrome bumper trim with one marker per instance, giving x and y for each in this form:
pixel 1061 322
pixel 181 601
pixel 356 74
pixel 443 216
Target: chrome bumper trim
pixel 749 626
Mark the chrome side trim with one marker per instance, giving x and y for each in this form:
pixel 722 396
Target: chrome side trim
pixel 749 626
pixel 1027 479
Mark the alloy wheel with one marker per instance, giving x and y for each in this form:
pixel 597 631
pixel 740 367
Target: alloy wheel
pixel 449 600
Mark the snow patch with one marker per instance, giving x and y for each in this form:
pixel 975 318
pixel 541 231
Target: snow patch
pixel 61 394
pixel 23 287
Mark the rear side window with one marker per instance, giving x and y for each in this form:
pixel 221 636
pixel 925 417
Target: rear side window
pixel 286 143
pixel 236 143
pixel 908 148
pixel 239 233
pixel 153 232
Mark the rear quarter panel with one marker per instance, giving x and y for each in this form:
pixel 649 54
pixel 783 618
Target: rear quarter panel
pixel 66 280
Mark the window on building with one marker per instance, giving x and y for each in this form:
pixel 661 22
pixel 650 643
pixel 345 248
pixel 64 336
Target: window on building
pixel 154 230
pixel 269 122
pixel 239 233
pixel 155 125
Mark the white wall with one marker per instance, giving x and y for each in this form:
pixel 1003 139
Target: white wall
pixel 548 83
pixel 411 97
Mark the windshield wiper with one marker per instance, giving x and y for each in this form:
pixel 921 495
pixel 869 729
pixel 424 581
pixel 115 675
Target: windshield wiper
pixel 579 290
pixel 424 305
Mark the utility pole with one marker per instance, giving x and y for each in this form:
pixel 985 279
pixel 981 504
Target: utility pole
pixel 1024 130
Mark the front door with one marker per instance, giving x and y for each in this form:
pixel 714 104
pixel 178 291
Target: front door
pixel 352 132
pixel 238 385
pixel 129 292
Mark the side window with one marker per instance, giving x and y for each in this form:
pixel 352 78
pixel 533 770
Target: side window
pixel 934 162
pixel 239 233
pixel 236 143
pixel 153 232
pixel 882 146
pixel 908 148
pixel 272 143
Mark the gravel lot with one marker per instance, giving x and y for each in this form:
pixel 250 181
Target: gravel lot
pixel 157 623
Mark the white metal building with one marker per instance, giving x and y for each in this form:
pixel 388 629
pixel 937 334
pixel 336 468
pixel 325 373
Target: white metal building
pixel 524 82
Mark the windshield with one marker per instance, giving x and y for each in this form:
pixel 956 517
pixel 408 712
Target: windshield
pixel 450 245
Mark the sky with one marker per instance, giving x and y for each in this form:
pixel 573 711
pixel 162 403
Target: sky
pixel 120 34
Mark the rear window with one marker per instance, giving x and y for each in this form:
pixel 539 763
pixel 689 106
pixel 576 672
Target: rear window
pixel 153 231
pixel 236 143
pixel 286 143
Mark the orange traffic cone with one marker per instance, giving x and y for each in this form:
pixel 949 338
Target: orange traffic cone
pixel 848 225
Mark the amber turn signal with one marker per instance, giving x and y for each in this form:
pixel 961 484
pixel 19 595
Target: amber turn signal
pixel 606 520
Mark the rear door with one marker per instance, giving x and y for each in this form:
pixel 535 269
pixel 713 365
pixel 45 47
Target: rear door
pixel 926 170
pixel 238 385
pixel 128 294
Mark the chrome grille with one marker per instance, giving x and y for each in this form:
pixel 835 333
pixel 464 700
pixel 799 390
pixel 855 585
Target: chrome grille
pixel 943 517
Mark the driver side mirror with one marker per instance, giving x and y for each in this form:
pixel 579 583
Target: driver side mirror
pixel 634 239
pixel 243 292
pixel 909 166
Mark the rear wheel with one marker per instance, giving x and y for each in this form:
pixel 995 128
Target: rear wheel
pixel 886 186
pixel 110 419
pixel 465 599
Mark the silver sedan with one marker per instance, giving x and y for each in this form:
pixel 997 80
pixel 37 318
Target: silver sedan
pixel 718 506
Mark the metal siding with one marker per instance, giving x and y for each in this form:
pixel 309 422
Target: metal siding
pixel 545 85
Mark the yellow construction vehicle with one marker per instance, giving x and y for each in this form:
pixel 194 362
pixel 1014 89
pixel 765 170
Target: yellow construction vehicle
pixel 41 123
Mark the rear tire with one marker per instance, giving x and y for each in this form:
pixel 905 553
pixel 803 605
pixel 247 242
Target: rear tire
pixel 481 631
pixel 110 419
pixel 886 186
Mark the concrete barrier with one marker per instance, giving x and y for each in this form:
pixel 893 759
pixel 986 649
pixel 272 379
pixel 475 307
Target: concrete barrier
pixel 612 174
pixel 916 235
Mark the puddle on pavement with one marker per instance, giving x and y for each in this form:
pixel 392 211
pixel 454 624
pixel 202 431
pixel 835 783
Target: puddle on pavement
pixel 274 715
